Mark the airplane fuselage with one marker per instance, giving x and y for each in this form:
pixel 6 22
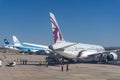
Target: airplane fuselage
pixel 29 48
pixel 74 50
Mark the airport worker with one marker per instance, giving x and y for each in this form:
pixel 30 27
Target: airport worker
pixel 40 62
pixel 0 63
pixel 46 63
pixel 25 61
pixel 20 61
pixel 67 68
pixel 62 66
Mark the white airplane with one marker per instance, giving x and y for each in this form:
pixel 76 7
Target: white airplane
pixel 21 47
pixel 72 50
pixel 46 48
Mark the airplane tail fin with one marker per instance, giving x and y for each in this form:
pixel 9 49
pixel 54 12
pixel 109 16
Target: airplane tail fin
pixel 16 41
pixel 6 42
pixel 55 29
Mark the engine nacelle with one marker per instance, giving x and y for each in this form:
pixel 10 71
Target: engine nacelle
pixel 112 56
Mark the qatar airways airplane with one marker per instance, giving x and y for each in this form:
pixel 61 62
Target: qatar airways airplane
pixel 73 50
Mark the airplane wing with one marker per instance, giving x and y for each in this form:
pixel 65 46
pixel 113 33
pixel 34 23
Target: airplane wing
pixel 35 45
pixel 69 45
pixel 62 48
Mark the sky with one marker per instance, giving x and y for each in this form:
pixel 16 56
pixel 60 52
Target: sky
pixel 84 21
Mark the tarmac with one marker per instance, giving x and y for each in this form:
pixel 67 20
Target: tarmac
pixel 34 71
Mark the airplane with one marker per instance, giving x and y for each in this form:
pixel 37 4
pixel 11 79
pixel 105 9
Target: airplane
pixel 22 48
pixel 19 46
pixel 72 50
pixel 47 50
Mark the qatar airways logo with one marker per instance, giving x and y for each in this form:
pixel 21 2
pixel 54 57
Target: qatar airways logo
pixel 56 32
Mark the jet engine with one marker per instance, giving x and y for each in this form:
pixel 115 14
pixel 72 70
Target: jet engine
pixel 108 56
pixel 112 56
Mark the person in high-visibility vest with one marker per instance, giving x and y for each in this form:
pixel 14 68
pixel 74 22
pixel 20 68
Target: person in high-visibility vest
pixel 46 63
